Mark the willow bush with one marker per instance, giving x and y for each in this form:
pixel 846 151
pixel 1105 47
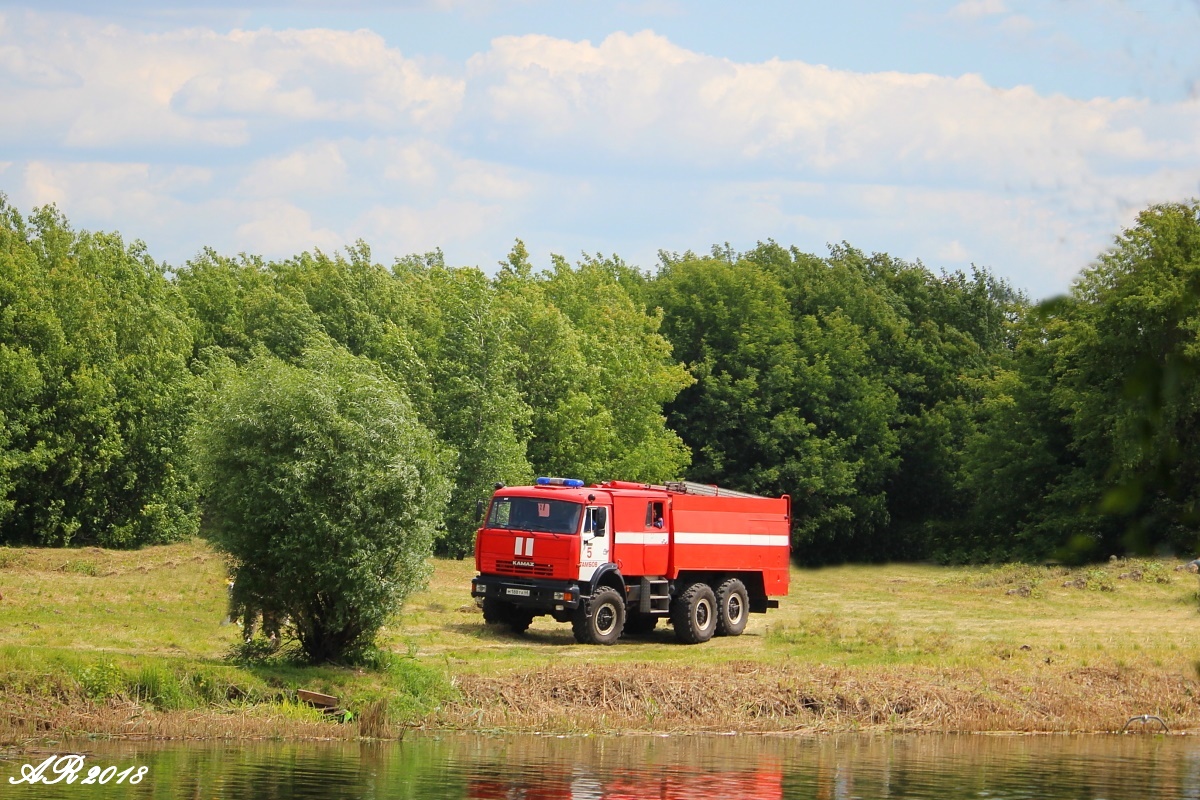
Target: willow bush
pixel 325 489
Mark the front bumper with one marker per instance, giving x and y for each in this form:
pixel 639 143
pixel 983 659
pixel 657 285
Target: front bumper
pixel 532 593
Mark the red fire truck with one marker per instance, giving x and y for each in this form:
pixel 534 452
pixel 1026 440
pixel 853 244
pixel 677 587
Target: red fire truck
pixel 617 557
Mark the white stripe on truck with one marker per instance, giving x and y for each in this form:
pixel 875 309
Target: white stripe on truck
pixel 747 539
pixel 638 537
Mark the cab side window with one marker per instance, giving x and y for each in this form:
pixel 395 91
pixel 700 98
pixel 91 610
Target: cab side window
pixel 654 515
pixel 596 521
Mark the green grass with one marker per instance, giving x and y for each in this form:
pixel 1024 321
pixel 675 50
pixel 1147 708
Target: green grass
pixel 147 628
pixel 867 615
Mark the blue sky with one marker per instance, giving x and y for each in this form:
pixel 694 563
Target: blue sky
pixel 1019 136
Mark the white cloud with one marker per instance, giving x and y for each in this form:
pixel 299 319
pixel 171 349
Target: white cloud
pixel 42 186
pixel 627 145
pixel 316 75
pixel 973 9
pixel 315 168
pixel 88 85
pixel 278 230
pixel 488 181
pixel 401 195
pixel 953 251
pixel 414 164
pixel 30 69
pixel 108 193
pixel 1038 241
pixel 644 98
pixel 421 168
pixel 1018 24
pixel 471 232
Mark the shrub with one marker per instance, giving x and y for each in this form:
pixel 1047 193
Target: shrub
pixel 102 680
pixel 325 489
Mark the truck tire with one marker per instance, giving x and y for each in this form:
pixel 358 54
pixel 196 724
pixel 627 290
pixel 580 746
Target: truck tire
pixel 495 612
pixel 733 608
pixel 519 619
pixel 694 614
pixel 498 612
pixel 600 619
pixel 638 624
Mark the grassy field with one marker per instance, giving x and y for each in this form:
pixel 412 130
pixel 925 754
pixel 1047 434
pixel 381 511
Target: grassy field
pixel 132 643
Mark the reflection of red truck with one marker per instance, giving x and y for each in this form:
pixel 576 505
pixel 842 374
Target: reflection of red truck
pixel 616 557
pixel 759 784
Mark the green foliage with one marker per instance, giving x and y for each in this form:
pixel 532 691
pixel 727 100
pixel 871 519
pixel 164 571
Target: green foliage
pixel 909 414
pixel 774 394
pixel 325 489
pixel 934 340
pixel 239 305
pixel 101 680
pixel 159 687
pixel 95 390
pixel 1134 378
pixel 81 567
pixel 256 650
pixel 846 382
pixel 463 337
pixel 558 373
pixel 623 372
pixel 1019 467
pixel 1089 443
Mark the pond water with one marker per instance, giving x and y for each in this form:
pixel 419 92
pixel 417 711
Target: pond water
pixel 623 768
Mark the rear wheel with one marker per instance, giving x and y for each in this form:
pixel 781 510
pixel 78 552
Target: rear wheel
pixel 733 608
pixel 694 614
pixel 600 619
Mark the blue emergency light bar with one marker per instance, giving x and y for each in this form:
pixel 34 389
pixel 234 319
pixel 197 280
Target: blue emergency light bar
pixel 574 483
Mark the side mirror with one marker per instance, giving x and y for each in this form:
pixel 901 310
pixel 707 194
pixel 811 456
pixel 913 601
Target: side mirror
pixel 478 511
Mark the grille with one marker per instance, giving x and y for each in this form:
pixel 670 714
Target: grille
pixel 540 570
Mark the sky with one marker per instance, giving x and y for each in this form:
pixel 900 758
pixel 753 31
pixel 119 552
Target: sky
pixel 1014 135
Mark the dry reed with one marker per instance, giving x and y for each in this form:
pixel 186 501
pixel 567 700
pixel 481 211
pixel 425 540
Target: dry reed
pixel 746 697
pixel 31 719
pixel 755 697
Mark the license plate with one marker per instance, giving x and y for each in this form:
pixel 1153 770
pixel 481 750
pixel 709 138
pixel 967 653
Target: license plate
pixel 518 592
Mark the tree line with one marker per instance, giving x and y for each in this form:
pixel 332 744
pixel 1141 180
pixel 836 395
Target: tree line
pixel 910 414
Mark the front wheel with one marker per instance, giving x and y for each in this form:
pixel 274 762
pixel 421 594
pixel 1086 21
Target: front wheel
pixel 600 619
pixel 694 614
pixel 498 612
pixel 733 608
pixel 495 611
pixel 519 619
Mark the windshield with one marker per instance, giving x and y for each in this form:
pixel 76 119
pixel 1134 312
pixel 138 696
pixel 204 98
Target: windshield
pixel 532 514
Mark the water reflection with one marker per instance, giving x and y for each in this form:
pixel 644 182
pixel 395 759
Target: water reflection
pixel 672 768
